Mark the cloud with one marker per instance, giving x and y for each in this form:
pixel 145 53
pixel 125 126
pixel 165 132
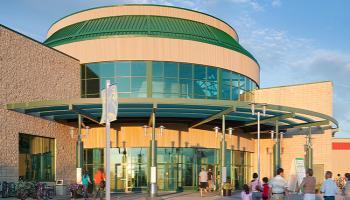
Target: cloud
pixel 276 3
pixel 252 3
pixel 286 59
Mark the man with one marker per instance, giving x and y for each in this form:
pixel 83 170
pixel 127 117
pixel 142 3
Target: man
pixel 278 186
pixel 210 180
pixel 100 182
pixel 203 181
pixel 329 188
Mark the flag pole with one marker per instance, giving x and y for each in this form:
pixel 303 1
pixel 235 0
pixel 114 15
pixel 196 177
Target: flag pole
pixel 108 144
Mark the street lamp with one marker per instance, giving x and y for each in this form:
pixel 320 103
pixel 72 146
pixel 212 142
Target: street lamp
pixel 161 130
pixel 145 127
pixel 258 119
pixel 230 131
pixel 216 131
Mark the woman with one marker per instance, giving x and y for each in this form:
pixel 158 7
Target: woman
pixel 86 181
pixel 245 194
pixel 309 185
pixel 255 187
pixel 346 188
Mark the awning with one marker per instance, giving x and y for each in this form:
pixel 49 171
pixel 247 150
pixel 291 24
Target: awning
pixel 199 113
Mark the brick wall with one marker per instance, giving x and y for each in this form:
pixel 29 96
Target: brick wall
pixel 31 71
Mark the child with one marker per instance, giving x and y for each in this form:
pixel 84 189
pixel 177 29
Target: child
pixel 86 181
pixel 265 189
pixel 245 194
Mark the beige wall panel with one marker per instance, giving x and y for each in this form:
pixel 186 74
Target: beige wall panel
pixel 142 10
pixel 340 158
pixel 28 71
pixel 173 136
pixel 161 49
pixel 315 97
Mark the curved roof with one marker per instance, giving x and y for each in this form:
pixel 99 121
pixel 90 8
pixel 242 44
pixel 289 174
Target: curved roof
pixel 196 112
pixel 144 25
pixel 155 5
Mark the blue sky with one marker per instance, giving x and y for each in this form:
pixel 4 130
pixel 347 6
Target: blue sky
pixel 295 41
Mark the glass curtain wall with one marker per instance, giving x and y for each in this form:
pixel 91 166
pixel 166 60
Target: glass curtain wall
pixel 166 80
pixel 177 168
pixel 36 158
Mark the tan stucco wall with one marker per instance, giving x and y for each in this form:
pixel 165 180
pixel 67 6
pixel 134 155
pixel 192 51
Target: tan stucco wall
pixel 161 49
pixel 340 158
pixel 142 10
pixel 175 135
pixel 32 72
pixel 315 97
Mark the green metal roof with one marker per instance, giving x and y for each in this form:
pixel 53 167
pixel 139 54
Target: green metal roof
pixel 142 25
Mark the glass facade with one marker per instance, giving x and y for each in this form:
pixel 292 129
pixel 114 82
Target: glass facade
pixel 166 80
pixel 36 158
pixel 177 168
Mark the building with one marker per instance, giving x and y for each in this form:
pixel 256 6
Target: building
pixel 182 76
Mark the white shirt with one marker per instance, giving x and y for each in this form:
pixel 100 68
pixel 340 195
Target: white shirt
pixel 278 184
pixel 203 176
pixel 329 188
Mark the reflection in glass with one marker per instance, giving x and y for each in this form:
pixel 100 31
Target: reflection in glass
pixel 167 79
pixel 36 158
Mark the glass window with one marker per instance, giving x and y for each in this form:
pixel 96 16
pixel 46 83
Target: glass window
pixel 138 68
pixel 138 85
pixel 36 158
pixel 92 86
pixel 242 82
pixel 248 84
pixel 212 89
pixel 171 86
pixel 158 69
pixel 226 92
pixel 158 85
pixel 123 84
pixel 200 89
pixel 212 73
pixel 171 70
pixel 199 72
pixel 92 71
pixel 185 70
pixel 106 69
pixel 186 88
pixel 123 69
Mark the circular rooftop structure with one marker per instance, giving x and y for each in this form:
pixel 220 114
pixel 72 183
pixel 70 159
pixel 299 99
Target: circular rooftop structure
pixel 152 33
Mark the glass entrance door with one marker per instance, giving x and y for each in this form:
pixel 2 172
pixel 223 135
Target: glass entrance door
pixel 167 177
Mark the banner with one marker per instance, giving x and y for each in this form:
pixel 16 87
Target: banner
pixel 112 101
pixel 297 173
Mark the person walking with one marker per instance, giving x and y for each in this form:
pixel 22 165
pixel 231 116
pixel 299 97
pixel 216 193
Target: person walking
pixel 255 187
pixel 246 194
pixel 340 181
pixel 329 187
pixel 265 189
pixel 203 181
pixel 278 186
pixel 86 181
pixel 99 179
pixel 309 185
pixel 210 180
pixel 346 188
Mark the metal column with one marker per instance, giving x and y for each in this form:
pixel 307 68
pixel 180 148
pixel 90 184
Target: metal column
pixel 223 151
pixel 153 189
pixel 277 150
pixel 308 149
pixel 79 151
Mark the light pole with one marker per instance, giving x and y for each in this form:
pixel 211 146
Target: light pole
pixel 153 179
pixel 258 127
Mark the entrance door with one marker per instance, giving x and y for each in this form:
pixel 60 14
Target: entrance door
pixel 123 181
pixel 167 177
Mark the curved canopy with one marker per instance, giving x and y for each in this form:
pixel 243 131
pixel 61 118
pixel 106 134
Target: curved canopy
pixel 196 113
pixel 142 25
